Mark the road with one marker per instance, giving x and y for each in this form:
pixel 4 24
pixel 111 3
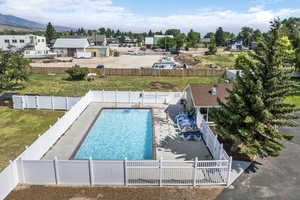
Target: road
pixel 271 178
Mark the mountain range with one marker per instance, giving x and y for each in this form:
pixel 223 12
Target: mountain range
pixel 14 23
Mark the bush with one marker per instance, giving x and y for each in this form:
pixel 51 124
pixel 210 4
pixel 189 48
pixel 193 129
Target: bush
pixel 77 73
pixel 212 49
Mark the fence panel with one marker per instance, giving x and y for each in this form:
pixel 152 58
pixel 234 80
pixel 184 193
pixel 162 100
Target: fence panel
pixel 30 102
pixel 108 172
pixel 73 172
pixel 39 172
pixel 143 172
pixel 177 172
pixel 17 102
pixel 8 180
pixel 45 102
pixel 212 172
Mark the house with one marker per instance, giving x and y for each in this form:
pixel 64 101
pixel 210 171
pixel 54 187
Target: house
pixel 70 47
pixel 151 42
pixel 237 45
pixel 205 97
pixel 33 46
pixel 232 74
pixel 98 40
pixel 97 51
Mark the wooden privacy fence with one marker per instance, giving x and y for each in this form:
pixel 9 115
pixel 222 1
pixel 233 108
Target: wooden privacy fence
pixel 137 72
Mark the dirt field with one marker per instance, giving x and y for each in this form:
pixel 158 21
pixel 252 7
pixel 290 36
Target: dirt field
pixel 125 61
pixel 26 192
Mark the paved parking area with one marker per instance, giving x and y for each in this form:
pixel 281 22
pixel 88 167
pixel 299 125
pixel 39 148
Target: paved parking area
pixel 271 178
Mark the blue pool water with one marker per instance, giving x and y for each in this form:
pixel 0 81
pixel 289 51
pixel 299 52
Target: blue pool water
pixel 117 134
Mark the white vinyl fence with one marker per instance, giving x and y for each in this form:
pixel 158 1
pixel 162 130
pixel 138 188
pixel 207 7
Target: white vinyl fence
pixel 211 140
pixel 29 169
pixel 44 102
pixel 152 172
pixel 66 103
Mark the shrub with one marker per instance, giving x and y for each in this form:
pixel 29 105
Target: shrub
pixel 77 73
pixel 212 49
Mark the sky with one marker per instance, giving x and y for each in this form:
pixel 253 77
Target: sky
pixel 142 15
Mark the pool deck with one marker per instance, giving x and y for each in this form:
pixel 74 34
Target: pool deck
pixel 169 145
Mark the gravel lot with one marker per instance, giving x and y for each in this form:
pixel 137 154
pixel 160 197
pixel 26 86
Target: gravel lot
pixel 124 61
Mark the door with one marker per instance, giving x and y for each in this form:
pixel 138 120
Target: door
pixel 101 52
pixel 71 52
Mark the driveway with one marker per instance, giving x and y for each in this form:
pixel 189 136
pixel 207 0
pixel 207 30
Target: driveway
pixel 271 178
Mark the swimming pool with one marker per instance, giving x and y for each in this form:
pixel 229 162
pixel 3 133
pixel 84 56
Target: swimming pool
pixel 118 134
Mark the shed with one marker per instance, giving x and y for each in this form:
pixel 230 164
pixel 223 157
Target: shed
pixel 70 46
pixel 98 51
pixel 205 96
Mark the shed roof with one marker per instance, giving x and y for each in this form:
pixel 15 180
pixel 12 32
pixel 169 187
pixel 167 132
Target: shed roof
pixel 75 43
pixel 203 97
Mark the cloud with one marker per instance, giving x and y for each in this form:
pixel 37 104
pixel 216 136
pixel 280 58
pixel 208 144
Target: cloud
pixel 103 13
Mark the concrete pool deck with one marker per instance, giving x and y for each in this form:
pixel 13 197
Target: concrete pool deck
pixel 169 146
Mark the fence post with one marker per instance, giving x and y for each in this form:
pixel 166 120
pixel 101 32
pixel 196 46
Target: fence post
pixel 102 95
pixel 23 103
pixel 55 164
pixel 125 172
pixel 229 170
pixel 156 98
pixel 67 103
pixel 91 170
pixel 160 171
pixel 116 99
pixel 22 170
pixel 52 102
pixel 195 172
pixel 37 102
pixel 221 152
pixel 214 147
pixel 143 98
pixel 129 97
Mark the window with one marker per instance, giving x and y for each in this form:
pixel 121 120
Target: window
pixel 22 41
pixel 39 40
pixel 6 41
pixel 14 41
pixel 43 40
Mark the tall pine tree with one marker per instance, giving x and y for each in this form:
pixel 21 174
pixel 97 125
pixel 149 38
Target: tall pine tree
pixel 255 107
pixel 50 33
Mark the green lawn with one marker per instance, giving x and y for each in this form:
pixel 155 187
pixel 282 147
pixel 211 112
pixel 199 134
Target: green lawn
pixel 59 86
pixel 224 61
pixel 19 128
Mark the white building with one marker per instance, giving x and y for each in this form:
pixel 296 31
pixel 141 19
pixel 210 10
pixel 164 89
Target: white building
pixel 154 41
pixel 71 47
pixel 33 46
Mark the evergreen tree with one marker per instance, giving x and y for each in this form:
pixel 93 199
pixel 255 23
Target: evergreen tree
pixel 50 33
pixel 255 106
pixel 150 34
pixel 220 39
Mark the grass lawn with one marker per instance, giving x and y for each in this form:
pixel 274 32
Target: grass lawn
pixel 19 128
pixel 224 61
pixel 58 85
pixel 296 98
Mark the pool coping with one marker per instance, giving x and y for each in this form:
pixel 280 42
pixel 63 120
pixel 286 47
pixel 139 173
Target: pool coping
pixel 154 143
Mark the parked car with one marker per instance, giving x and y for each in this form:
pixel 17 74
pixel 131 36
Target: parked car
pixel 132 52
